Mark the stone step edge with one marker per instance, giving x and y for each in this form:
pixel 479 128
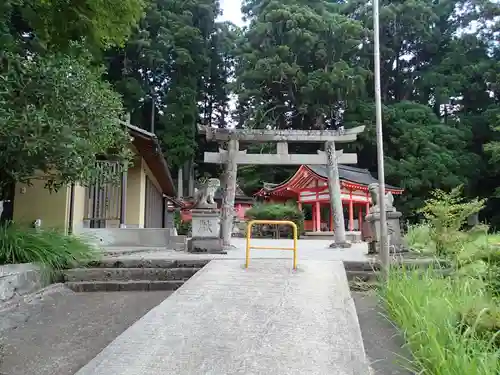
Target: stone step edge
pixel 373 276
pixel 123 286
pixel 375 265
pixel 152 285
pixel 117 253
pixel 128 274
pixel 199 263
pixel 144 263
pixel 363 275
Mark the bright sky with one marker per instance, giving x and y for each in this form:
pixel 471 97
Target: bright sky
pixel 232 11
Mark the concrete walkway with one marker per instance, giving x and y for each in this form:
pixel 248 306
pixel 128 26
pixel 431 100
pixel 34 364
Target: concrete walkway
pixel 307 250
pixel 226 320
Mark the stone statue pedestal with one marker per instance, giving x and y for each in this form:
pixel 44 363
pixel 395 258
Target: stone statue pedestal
pixel 205 237
pixel 393 232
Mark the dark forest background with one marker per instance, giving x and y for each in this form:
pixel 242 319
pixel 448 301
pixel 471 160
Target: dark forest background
pixel 298 64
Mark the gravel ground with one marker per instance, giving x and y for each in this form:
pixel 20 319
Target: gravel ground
pixel 383 344
pixel 62 331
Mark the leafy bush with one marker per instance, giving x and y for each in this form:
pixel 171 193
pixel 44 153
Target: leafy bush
pixel 48 247
pixel 183 227
pixel 446 214
pixel 418 238
pixel 273 211
pixel 77 110
pixel 471 252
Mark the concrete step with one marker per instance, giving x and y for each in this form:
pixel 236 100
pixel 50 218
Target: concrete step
pixel 116 251
pixel 128 274
pixel 354 236
pixel 148 263
pixel 363 274
pixel 178 243
pixel 401 262
pixel 164 274
pixel 124 286
pixel 153 237
pixel 370 277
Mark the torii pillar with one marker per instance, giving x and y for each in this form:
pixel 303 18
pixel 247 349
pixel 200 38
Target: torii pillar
pixel 229 193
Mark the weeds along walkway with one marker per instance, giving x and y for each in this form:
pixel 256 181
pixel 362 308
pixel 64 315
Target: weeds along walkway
pixel 227 320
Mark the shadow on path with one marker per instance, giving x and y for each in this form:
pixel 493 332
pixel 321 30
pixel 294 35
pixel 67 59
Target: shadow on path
pixel 383 344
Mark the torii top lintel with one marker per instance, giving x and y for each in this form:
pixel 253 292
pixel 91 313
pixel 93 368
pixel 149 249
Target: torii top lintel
pixel 265 135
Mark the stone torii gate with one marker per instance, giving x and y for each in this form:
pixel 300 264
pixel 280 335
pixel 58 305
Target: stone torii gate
pixel 233 156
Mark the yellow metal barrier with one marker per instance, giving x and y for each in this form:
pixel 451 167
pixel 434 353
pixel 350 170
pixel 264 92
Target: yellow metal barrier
pixel 273 222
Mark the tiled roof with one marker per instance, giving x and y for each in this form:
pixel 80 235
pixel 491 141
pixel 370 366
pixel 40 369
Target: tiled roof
pixel 348 173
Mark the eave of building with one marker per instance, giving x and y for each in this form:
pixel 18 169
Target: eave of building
pixel 149 149
pixel 289 188
pixel 173 202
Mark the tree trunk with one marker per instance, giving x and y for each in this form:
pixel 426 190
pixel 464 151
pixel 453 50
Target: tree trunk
pixel 191 178
pixel 335 196
pixel 229 192
pixel 185 179
pixel 180 183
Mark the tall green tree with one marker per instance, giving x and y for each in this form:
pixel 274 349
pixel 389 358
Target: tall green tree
pixel 216 92
pixel 297 64
pixel 180 58
pixel 57 115
pixel 54 25
pixel 296 69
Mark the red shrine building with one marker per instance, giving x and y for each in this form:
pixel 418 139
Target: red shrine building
pixel 309 188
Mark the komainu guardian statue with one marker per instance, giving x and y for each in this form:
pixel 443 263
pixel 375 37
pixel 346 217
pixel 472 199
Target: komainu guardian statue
pixel 204 196
pixel 374 194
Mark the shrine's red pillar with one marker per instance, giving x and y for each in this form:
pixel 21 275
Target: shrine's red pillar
pixel 313 217
pixel 351 213
pixel 317 214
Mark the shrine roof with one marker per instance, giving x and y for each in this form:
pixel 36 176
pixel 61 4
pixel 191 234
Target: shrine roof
pixel 352 174
pixel 350 177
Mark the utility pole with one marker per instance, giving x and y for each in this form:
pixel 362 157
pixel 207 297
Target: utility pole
pixel 384 244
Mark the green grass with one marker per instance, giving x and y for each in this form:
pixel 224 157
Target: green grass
pixel 433 313
pixel 48 247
